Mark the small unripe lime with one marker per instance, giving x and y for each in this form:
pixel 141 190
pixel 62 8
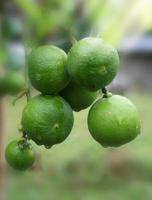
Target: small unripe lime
pixel 20 155
pixel 92 63
pixel 78 97
pixel 13 83
pixel 47 69
pixel 113 121
pixel 47 120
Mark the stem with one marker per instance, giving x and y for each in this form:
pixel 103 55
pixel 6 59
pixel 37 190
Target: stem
pixel 28 94
pixel 73 40
pixel 106 93
pixel 26 73
pixel 27 46
pixel 25 92
pixel 24 135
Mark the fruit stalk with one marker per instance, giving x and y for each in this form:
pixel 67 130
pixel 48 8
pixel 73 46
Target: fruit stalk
pixel 104 91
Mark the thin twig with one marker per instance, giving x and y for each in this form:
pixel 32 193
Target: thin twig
pixel 106 93
pixel 25 92
pixel 73 39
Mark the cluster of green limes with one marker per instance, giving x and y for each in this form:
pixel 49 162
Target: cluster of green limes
pixel 72 82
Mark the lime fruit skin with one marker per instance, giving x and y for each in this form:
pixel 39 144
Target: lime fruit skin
pixel 19 158
pixel 47 69
pixel 93 63
pixel 13 83
pixel 47 120
pixel 78 97
pixel 113 121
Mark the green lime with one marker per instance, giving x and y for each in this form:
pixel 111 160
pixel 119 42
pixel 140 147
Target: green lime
pixel 20 155
pixel 113 121
pixel 47 120
pixel 92 63
pixel 13 83
pixel 47 69
pixel 78 97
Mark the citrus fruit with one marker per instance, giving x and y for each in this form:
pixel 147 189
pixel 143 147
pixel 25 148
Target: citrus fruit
pixel 47 69
pixel 47 120
pixel 20 155
pixel 93 63
pixel 13 83
pixel 113 121
pixel 78 97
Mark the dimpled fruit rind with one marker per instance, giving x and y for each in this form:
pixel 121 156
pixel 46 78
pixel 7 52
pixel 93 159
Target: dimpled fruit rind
pixel 78 97
pixel 47 120
pixel 19 158
pixel 113 121
pixel 47 69
pixel 92 63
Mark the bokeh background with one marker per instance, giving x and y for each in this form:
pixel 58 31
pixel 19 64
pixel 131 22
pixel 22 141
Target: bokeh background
pixel 79 168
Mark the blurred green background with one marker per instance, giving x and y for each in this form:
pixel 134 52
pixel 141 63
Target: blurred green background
pixel 80 168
